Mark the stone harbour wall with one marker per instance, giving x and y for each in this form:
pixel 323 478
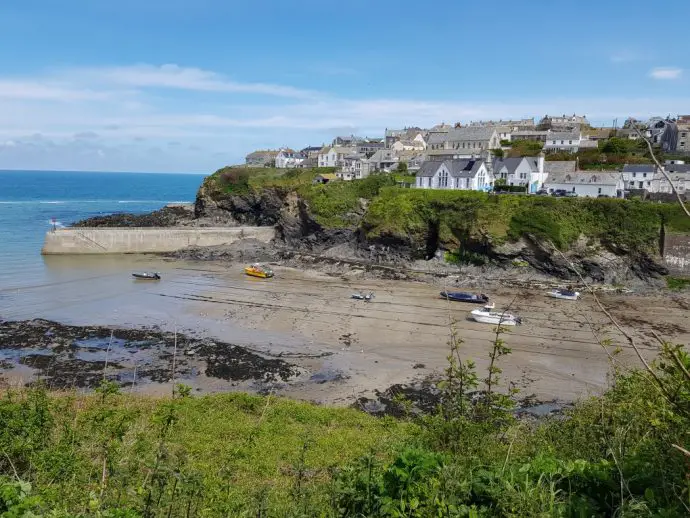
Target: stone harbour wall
pixel 677 253
pixel 146 240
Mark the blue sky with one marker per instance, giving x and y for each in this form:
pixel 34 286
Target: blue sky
pixel 192 85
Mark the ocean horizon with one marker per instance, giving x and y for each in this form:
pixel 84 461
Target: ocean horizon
pixel 31 200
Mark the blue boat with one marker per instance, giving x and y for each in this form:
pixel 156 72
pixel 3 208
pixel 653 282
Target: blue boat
pixel 460 296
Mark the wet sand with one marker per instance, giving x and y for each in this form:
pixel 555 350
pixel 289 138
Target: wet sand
pixel 348 348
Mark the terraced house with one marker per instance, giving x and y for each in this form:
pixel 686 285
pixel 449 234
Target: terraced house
pixel 464 142
pixel 457 174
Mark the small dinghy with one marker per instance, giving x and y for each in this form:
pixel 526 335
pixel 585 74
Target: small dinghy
pixel 564 294
pixel 147 276
pixel 258 270
pixel 362 296
pixel 486 315
pixel 460 296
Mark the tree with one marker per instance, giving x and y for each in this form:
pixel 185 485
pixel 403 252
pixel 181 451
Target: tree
pixel 402 167
pixel 499 182
pixel 498 152
pixel 618 146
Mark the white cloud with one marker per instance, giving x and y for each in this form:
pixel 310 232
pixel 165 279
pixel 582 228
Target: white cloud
pixel 125 112
pixel 665 73
pixel 184 78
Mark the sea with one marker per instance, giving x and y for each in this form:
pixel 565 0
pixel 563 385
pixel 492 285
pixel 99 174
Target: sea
pixel 31 202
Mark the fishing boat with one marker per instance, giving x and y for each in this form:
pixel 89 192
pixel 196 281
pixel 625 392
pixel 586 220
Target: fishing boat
pixel 564 294
pixel 362 296
pixel 258 270
pixel 147 276
pixel 460 296
pixel 486 315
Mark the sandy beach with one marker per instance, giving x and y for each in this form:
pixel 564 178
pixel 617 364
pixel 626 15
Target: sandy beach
pixel 344 348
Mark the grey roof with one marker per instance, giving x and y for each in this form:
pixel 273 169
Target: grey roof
pixel 585 177
pixel 436 137
pixel 530 132
pixel 557 135
pixel 639 168
pixel 511 164
pixel 472 133
pixel 677 168
pixel 560 166
pixel 462 168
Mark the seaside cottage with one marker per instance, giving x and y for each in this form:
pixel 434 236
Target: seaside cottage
pixel 587 184
pixel 457 174
pixel 526 171
pixel 288 159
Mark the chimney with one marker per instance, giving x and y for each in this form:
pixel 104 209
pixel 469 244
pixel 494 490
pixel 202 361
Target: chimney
pixel 540 162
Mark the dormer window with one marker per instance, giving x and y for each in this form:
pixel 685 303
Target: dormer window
pixel 593 179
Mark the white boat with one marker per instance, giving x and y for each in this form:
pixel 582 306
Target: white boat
pixel 486 315
pixel 564 294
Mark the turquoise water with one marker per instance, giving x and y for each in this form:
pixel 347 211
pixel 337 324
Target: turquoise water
pixel 29 200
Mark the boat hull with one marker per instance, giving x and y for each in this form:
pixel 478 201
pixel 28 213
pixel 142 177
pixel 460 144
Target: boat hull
pixel 493 318
pixel 464 297
pixel 557 295
pixel 261 275
pixel 146 277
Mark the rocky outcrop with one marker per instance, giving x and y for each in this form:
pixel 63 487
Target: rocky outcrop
pixel 170 216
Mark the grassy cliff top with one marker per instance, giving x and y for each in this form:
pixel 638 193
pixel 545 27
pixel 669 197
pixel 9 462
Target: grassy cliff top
pixel 383 209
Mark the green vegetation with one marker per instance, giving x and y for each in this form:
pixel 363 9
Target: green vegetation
pixel 520 148
pixel 677 283
pixel 221 455
pixel 462 217
pixel 111 455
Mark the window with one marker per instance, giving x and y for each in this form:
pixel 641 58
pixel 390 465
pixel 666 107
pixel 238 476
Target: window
pixel 481 179
pixel 428 182
pixel 644 175
pixel 684 134
pixel 570 142
pixel 599 190
pixel 561 142
pixel 443 179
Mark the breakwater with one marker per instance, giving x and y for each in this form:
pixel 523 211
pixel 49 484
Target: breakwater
pixel 146 240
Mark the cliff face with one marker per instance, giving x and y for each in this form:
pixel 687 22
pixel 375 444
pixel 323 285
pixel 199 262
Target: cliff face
pixel 606 240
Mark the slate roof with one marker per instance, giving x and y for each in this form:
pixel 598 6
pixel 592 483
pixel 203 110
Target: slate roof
pixel 585 177
pixel 471 133
pixel 511 164
pixel 639 168
pixel 560 166
pixel 557 135
pixel 458 168
pixel 437 137
pixel 677 168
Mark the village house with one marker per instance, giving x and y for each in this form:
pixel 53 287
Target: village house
pixel 347 141
pixel 565 123
pixel 261 158
pixel 524 171
pixel 352 168
pixel 333 156
pixel 287 159
pixel 458 174
pixel 683 141
pixel 649 178
pixel 567 142
pixel 639 176
pixel 392 136
pixel 465 142
pixel 587 184
pixel 416 144
pixel 369 146
pixel 311 151
pixel 383 160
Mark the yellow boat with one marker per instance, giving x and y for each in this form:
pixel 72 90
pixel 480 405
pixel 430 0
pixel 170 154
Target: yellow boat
pixel 257 270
